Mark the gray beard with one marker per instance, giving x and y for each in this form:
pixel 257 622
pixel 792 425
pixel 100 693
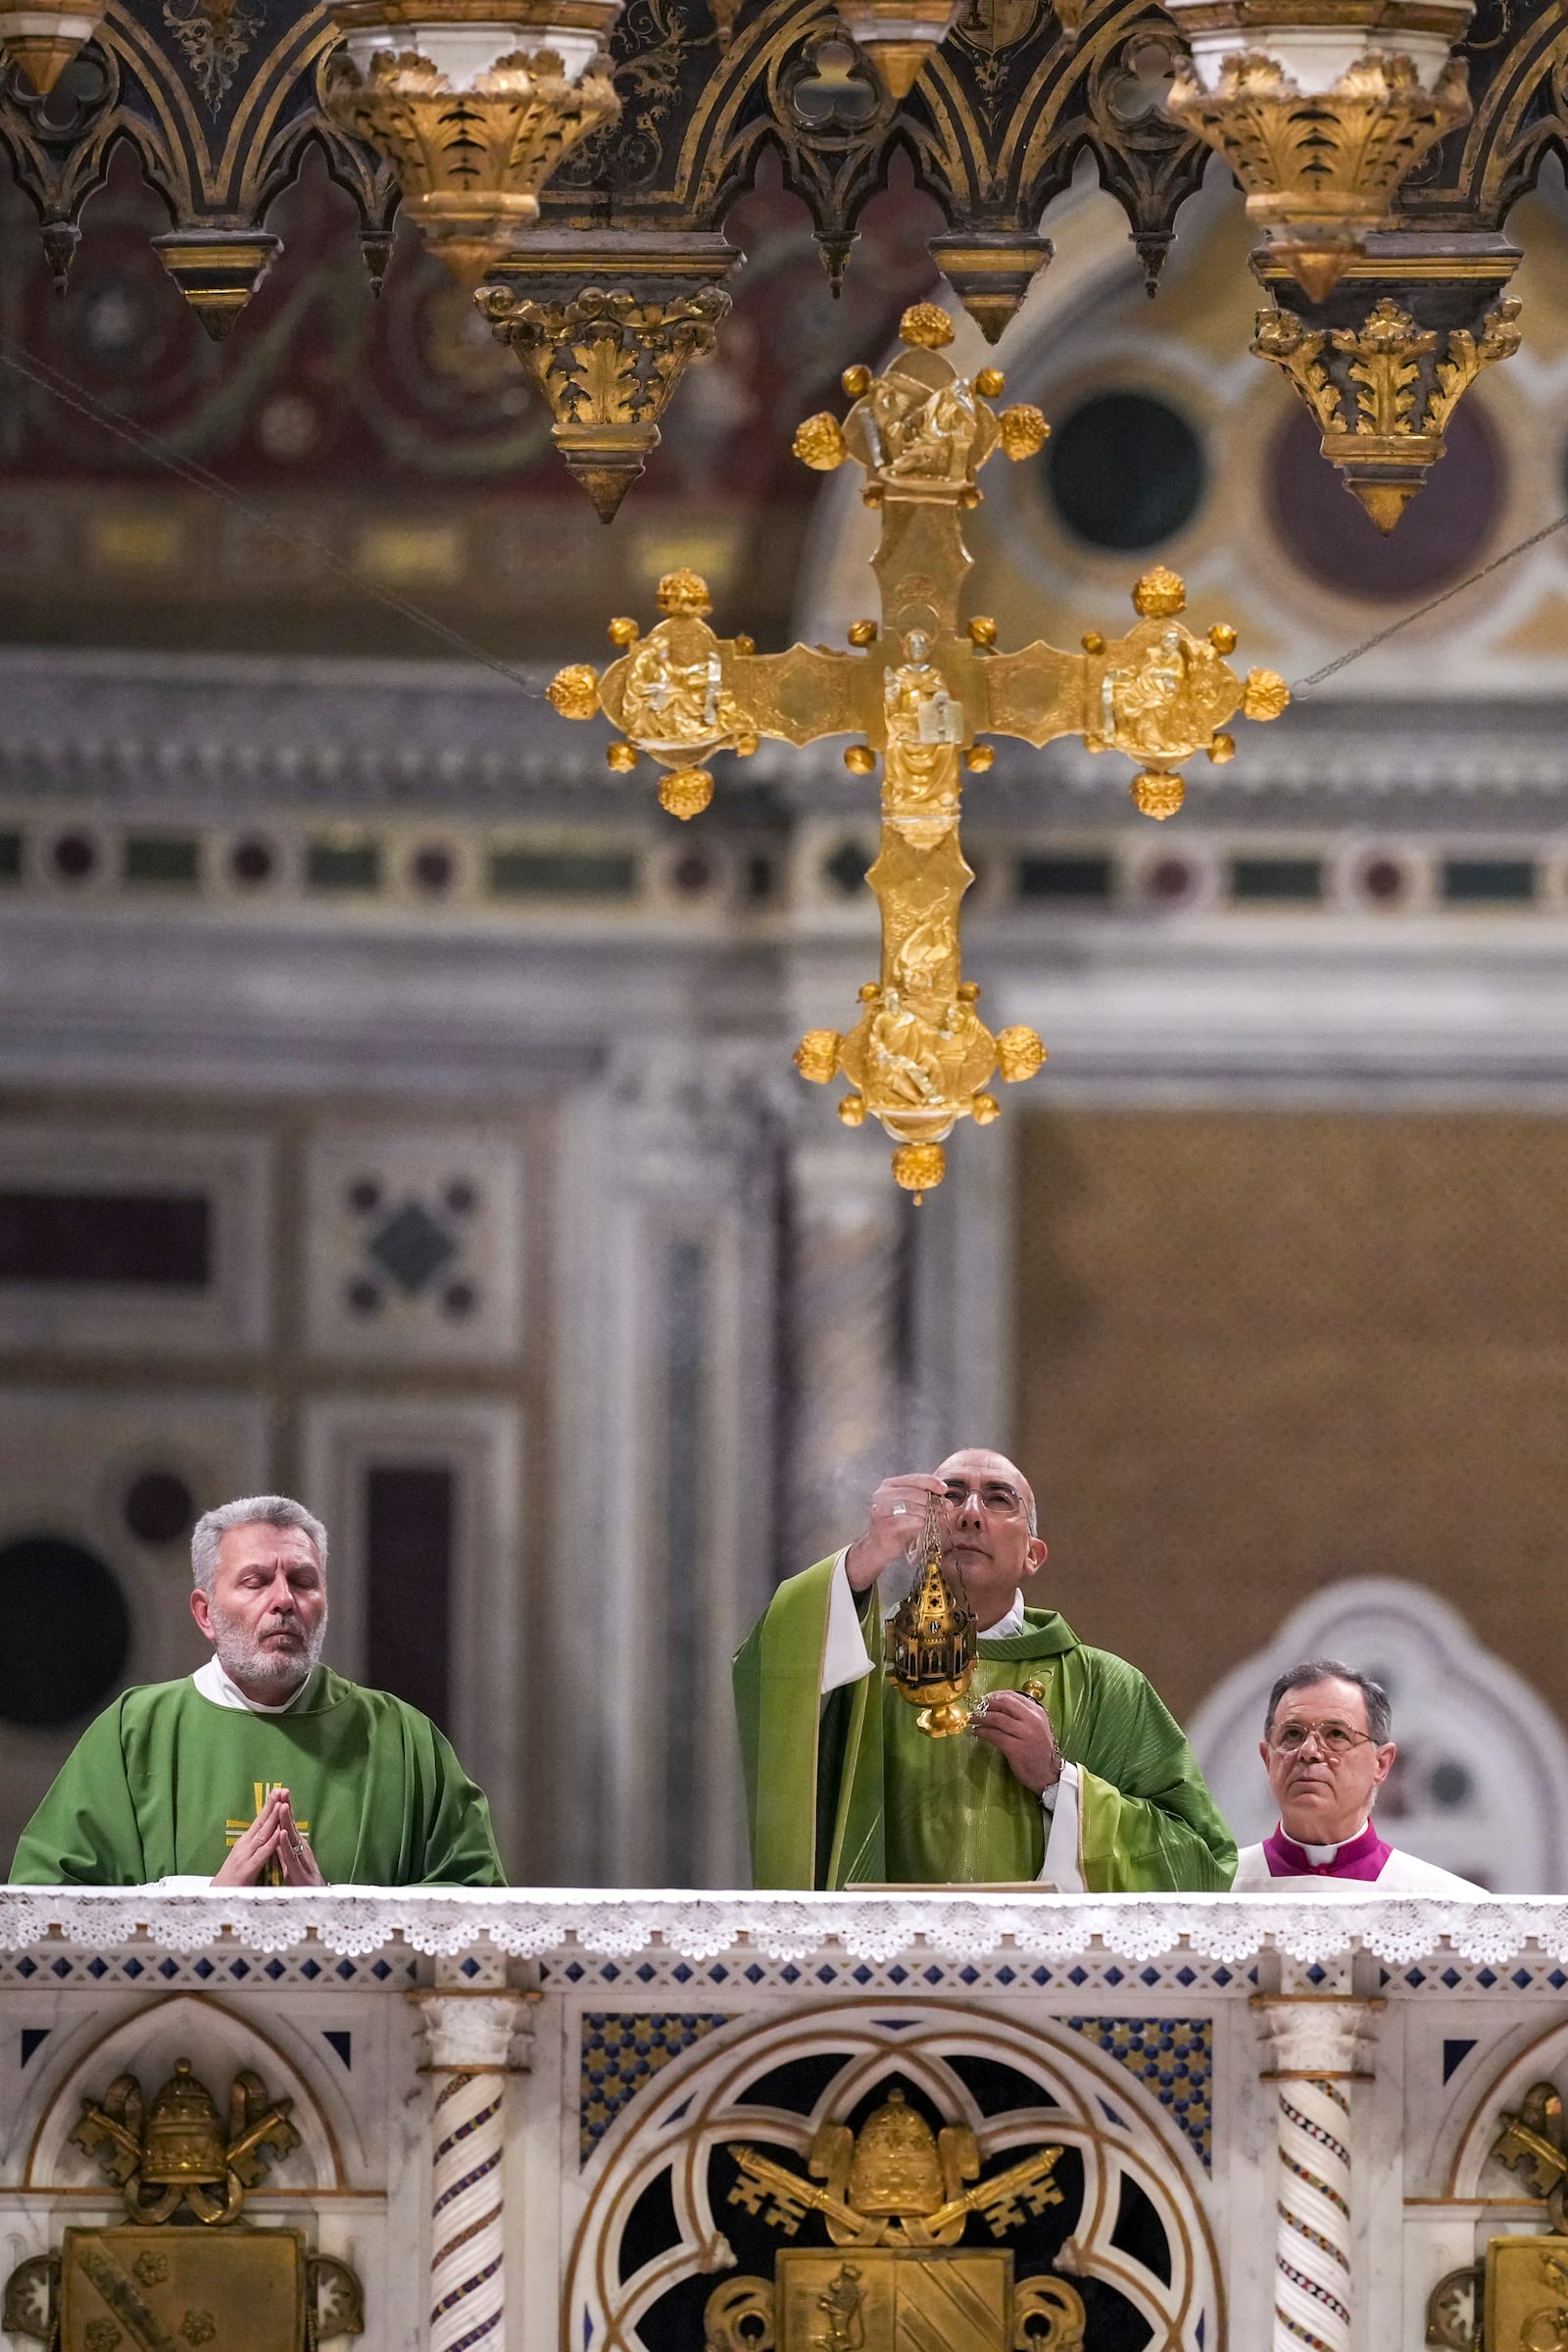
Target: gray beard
pixel 245 1659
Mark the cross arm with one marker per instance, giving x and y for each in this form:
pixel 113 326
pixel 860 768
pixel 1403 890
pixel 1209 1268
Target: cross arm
pixel 1159 694
pixel 682 693
pixel 804 693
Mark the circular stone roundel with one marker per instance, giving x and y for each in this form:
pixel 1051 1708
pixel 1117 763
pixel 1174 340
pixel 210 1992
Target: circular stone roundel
pixel 67 1632
pixel 1126 471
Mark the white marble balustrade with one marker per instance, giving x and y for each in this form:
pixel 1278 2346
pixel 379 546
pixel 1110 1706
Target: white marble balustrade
pixel 1305 2093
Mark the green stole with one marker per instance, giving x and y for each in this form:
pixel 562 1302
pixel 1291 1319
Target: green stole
pixel 849 1791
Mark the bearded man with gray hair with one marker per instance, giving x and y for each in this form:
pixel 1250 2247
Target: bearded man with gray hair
pixel 263 1767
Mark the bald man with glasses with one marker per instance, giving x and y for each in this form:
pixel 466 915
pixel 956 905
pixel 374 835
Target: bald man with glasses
pixel 1072 1774
pixel 1328 1747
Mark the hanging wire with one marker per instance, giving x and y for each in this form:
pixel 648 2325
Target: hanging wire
pixel 49 381
pixel 1406 620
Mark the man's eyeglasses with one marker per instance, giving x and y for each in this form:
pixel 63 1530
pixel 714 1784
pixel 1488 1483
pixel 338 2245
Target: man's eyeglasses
pixel 991 1496
pixel 1335 1740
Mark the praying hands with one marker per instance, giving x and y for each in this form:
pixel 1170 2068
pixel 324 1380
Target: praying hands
pixel 274 1835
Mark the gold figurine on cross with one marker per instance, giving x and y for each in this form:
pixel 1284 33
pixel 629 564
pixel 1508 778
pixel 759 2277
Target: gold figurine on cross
pixel 919 692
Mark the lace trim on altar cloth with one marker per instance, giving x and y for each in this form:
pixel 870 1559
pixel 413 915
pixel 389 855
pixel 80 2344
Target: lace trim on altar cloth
pixel 528 1924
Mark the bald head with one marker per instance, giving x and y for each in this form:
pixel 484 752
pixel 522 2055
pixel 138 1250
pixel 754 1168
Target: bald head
pixel 991 1509
pixel 979 1465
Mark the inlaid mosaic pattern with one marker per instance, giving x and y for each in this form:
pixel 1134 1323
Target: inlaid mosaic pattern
pixel 621 2053
pixel 308 1970
pixel 1171 2056
pixel 1070 1981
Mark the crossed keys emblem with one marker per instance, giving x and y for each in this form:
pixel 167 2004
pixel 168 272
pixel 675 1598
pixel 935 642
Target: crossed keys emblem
pixel 1532 2145
pixel 781 2197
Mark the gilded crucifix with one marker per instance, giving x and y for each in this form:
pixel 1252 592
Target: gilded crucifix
pixel 918 692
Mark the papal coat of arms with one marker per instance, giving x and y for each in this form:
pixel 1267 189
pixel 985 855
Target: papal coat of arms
pixel 182 2273
pixel 895 2279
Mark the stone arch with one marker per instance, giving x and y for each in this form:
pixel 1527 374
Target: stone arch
pixel 1087 2102
pixel 1463 2158
pixel 146 2042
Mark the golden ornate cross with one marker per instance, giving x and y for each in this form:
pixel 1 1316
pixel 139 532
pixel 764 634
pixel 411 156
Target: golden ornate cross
pixel 919 692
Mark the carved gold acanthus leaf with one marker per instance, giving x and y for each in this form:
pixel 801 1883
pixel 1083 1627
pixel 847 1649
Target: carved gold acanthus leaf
pixel 1320 169
pixel 606 360
pixel 1295 349
pixel 1382 392
pixel 471 161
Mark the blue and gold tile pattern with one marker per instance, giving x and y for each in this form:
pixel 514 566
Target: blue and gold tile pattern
pixel 1172 2056
pixel 621 2052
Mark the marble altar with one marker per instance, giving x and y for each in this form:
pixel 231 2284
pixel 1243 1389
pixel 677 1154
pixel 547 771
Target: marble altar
pixel 517 2112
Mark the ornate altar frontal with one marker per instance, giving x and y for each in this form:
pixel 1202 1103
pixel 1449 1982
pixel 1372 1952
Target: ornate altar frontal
pixel 923 2123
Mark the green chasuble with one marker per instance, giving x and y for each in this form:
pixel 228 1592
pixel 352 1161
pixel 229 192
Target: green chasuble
pixel 847 1791
pixel 163 1783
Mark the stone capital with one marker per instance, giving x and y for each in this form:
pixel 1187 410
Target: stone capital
pixel 1322 2037
pixel 475 2033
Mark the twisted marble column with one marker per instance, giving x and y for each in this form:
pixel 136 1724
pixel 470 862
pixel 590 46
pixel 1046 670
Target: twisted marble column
pixel 468 2040
pixel 1316 2048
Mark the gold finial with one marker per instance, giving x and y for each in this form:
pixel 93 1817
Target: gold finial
pixel 1019 1052
pixel 575 690
pixel 745 644
pixel 857 382
pixel 1264 694
pixel 979 757
pixel 982 632
pixel 1222 637
pixel 926 327
pixel 1024 431
pixel 852 1110
pixel 860 759
pixel 1158 793
pixel 684 592
pixel 984 1109
pixel 816 1058
pixel 919 1167
pixel 991 383
pixel 819 442
pixel 932 1633
pixel 623 632
pixel 746 744
pixel 1222 748
pixel 621 757
pixel 686 793
pixel 862 632
pixel 1160 594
